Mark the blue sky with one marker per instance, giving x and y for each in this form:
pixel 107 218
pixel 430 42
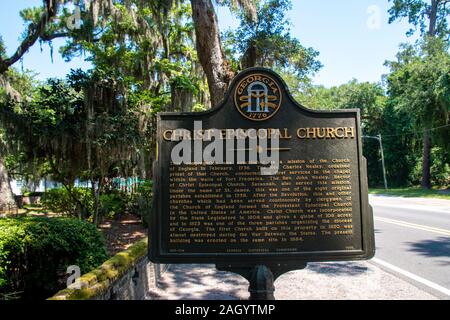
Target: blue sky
pixel 352 36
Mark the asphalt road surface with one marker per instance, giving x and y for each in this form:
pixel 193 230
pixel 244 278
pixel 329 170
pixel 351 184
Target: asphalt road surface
pixel 413 241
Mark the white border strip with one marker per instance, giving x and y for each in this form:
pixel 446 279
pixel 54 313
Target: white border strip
pixel 412 276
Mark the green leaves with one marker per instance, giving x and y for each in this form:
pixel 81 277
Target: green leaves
pixel 267 41
pixel 431 19
pixel 419 99
pixel 31 14
pixel 35 252
pixel 419 82
pixel 53 103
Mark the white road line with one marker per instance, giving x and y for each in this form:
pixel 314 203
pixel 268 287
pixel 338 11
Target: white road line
pixel 412 276
pixel 414 226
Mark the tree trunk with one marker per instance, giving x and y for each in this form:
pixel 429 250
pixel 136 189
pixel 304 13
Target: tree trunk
pixel 96 195
pixel 209 49
pixel 426 181
pixel 433 17
pixel 182 99
pixel 6 195
pixel 250 57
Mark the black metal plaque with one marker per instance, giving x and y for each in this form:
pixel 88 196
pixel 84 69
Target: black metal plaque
pixel 315 208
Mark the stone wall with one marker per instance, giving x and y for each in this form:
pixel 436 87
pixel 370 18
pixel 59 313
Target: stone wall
pixel 134 284
pixel 129 275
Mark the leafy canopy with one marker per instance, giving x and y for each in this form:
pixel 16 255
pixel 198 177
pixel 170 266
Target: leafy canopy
pixel 420 15
pixel 266 41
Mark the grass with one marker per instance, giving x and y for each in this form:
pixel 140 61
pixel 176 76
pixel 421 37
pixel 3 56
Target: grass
pixel 31 211
pixel 413 192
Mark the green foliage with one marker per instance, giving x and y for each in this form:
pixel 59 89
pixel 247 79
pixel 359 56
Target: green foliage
pixel 2 48
pixel 418 13
pixel 419 96
pixel 420 83
pixel 146 46
pixel 53 103
pixel 61 200
pixel 114 204
pixel 35 253
pixel 370 98
pixel 78 128
pixel 144 201
pixel 19 85
pixel 101 123
pixel 399 151
pixel 199 107
pixel 266 41
pixel 79 202
pixel 145 189
pixel 36 128
pixel 439 169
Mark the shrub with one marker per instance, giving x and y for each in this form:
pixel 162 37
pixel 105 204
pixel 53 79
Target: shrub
pixel 35 253
pixel 144 200
pixel 59 200
pixel 116 202
pixel 113 204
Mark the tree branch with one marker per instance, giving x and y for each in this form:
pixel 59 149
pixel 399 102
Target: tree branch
pixel 50 37
pixel 35 30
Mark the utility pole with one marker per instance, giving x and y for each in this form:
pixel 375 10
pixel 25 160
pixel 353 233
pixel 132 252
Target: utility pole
pixel 378 137
pixel 382 162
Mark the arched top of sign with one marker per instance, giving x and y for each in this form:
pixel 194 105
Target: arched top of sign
pixel 259 94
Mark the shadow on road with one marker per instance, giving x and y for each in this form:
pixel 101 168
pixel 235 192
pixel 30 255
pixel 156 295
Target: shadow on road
pixel 337 269
pixel 439 247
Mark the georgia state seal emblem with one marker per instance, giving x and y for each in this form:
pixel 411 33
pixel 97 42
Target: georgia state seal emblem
pixel 257 97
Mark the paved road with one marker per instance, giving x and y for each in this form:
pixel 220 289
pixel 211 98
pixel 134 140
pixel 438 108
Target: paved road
pixel 413 241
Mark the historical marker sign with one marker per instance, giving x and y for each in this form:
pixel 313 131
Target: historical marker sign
pixel 313 207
